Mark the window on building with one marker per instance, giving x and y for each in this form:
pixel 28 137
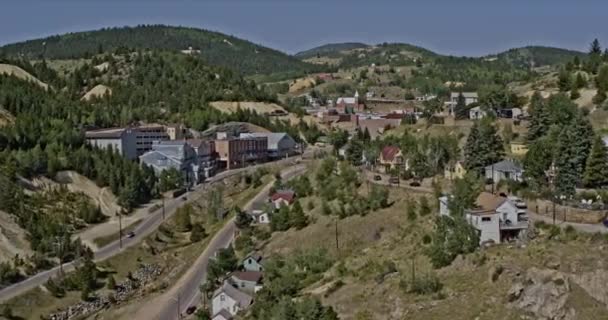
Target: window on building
pixel 222 297
pixel 486 219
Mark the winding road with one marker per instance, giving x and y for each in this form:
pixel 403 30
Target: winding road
pixel 186 290
pixel 148 225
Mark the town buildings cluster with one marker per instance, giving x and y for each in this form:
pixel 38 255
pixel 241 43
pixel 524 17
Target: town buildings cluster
pixel 164 147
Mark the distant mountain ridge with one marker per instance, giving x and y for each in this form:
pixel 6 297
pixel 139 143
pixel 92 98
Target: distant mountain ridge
pixel 329 49
pixel 215 48
pixel 521 57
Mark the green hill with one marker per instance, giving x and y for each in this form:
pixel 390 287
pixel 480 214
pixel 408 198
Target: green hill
pixel 215 48
pixel 538 56
pixel 330 49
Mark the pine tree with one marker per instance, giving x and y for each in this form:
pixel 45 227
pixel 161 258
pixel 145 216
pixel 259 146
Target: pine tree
pixel 111 284
pixel 596 172
pixel 580 81
pixel 595 47
pixel 538 160
pixel 242 220
pixel 460 109
pixel 298 219
pixel 483 146
pixel 198 233
pixel 539 118
pixel 564 81
pixel 567 174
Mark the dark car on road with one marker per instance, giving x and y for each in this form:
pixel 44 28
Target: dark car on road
pixel 605 223
pixel 190 309
pixel 131 234
pixel 414 184
pixel 394 180
pixel 377 178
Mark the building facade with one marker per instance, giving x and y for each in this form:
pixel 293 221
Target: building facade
pixel 280 144
pixel 236 152
pixel 177 155
pixel 121 140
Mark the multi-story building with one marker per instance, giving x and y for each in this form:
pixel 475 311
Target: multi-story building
pixel 469 97
pixel 122 140
pixel 131 142
pixel 235 152
pixel 280 144
pixel 206 156
pixel 177 155
pixel 147 135
pixel 496 218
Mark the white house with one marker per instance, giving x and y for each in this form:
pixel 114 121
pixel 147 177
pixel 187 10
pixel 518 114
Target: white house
pixel 477 113
pixel 496 218
pixel 260 216
pixel 505 170
pixel 469 97
pixel 230 299
pixel 283 198
pixel 247 281
pixel 222 315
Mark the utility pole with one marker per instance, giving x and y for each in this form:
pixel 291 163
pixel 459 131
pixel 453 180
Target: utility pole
pixel 554 210
pixel 337 243
pixel 163 199
pixel 492 178
pixel 120 229
pixel 179 314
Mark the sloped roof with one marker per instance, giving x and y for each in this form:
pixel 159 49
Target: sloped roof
pixel 243 299
pixel 389 152
pixel 252 276
pixel 157 158
pixel 110 133
pixel 255 255
pixel 346 100
pixel 286 195
pixel 487 202
pixel 506 166
pixel 273 137
pixel 224 314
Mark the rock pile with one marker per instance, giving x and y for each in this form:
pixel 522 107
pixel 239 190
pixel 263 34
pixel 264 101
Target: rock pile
pixel 142 276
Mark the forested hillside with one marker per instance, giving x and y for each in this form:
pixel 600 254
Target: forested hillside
pixel 330 49
pixel 215 48
pixel 537 56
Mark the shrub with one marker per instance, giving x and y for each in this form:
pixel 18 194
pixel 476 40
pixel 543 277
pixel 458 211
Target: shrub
pixel 426 239
pixel 425 285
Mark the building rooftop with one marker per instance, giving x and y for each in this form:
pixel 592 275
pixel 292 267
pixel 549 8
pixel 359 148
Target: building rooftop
pixel 251 276
pixel 109 133
pixel 506 166
pixel 487 203
pixel 224 314
pixel 465 94
pixel 243 299
pixel 389 152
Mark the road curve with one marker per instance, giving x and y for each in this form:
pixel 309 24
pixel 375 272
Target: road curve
pixel 148 225
pixel 165 307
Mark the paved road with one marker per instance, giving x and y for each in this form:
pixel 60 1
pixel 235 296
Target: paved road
pixel 187 288
pixel 148 225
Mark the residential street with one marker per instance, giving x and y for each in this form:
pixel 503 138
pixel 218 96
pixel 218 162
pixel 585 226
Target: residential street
pixel 148 224
pixel 187 288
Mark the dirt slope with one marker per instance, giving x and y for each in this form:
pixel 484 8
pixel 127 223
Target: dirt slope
pixel 21 74
pixel 260 107
pixel 98 91
pixel 12 239
pixel 101 196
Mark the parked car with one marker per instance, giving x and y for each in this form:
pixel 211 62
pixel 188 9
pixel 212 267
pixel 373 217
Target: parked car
pixel 190 309
pixel 377 178
pixel 184 198
pixel 414 184
pixel 605 222
pixel 131 234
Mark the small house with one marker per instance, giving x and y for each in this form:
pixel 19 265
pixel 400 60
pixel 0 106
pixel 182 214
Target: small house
pixel 283 198
pixel 253 262
pixel 391 158
pixel 260 216
pixel 247 281
pixel 230 299
pixel 505 170
pixel 455 170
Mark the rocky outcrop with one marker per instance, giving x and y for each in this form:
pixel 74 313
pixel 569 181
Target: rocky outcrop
pixel 594 283
pixel 543 294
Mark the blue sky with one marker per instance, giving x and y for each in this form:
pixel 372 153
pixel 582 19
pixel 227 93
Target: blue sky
pixel 459 27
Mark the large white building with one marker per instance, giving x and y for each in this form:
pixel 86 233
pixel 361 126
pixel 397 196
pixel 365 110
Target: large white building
pixel 496 218
pixel 130 142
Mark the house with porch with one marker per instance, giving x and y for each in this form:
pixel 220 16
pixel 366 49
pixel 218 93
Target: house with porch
pixel 497 219
pixel 505 170
pixel 392 158
pixel 246 281
pixel 230 299
pixel 283 198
